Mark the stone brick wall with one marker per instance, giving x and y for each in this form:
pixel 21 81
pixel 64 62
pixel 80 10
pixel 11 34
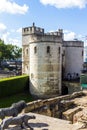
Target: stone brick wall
pixel 45 69
pixel 72 86
pixel 54 107
pixel 73 58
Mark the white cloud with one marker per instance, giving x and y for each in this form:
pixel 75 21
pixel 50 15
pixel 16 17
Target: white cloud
pixel 9 39
pixel 12 30
pixel 2 27
pixel 68 35
pixel 19 30
pixel 12 7
pixel 15 41
pixel 5 36
pixel 65 3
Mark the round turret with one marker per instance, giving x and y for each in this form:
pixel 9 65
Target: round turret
pixel 45 69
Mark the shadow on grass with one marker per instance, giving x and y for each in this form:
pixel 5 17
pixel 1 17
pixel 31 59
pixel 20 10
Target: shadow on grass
pixel 7 101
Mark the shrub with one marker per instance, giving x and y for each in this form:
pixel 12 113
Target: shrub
pixel 13 85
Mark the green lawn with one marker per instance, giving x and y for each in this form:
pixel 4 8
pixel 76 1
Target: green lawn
pixel 7 101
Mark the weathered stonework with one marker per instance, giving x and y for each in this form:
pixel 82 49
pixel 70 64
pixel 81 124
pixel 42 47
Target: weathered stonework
pixel 70 112
pixel 47 58
pixel 72 108
pixel 73 58
pixel 56 106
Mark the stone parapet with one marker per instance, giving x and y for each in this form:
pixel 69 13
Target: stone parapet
pixel 68 115
pixel 53 106
pixel 73 43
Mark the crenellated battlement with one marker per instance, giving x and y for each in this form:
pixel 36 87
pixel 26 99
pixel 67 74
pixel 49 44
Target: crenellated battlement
pixel 44 55
pixel 74 43
pixel 32 30
pixel 56 33
pixel 37 34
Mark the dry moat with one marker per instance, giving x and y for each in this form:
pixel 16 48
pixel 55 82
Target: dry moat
pixel 67 112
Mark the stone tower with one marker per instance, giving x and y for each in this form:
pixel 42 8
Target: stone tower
pixel 43 60
pixel 74 55
pixel 48 59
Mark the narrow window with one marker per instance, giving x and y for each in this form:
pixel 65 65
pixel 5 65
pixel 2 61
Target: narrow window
pixel 24 30
pixel 35 49
pixel 27 67
pixel 59 53
pixel 48 49
pixel 26 51
pixel 59 50
pixel 82 52
pixel 64 52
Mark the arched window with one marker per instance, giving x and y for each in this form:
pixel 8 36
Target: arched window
pixel 35 49
pixel 82 53
pixel 64 52
pixel 59 50
pixel 27 51
pixel 48 49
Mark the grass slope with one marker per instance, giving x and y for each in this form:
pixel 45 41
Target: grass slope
pixel 7 101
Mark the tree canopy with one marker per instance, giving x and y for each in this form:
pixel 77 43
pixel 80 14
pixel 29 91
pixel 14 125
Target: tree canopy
pixel 9 51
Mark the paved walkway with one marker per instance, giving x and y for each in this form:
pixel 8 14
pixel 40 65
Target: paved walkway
pixel 47 123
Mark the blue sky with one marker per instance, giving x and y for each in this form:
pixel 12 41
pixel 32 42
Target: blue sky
pixel 69 15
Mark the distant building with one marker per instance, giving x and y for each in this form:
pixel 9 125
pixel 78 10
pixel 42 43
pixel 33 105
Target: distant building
pixel 46 57
pixel 85 54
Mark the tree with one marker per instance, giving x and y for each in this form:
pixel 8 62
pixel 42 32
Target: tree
pixel 2 50
pixel 16 52
pixel 9 51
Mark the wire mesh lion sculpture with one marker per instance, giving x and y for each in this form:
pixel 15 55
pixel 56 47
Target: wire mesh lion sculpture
pixel 21 120
pixel 14 110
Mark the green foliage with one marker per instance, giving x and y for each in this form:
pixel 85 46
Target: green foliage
pixel 2 49
pixel 13 85
pixel 16 52
pixel 7 101
pixel 83 79
pixel 9 51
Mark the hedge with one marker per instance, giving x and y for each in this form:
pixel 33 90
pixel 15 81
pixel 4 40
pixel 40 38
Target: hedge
pixel 83 79
pixel 13 85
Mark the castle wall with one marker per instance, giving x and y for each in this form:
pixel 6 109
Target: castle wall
pixel 45 69
pixel 25 54
pixel 73 58
pixel 25 59
pixel 35 34
pixel 46 57
pixel 55 107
